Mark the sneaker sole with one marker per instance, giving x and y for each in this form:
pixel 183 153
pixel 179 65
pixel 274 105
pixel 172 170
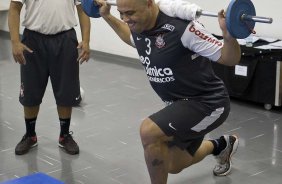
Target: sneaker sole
pixel 234 149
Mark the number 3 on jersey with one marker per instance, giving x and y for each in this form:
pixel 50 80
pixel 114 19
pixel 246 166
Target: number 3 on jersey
pixel 148 50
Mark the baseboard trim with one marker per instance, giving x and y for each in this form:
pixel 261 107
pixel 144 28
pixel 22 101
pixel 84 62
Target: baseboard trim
pixel 5 34
pixel 113 58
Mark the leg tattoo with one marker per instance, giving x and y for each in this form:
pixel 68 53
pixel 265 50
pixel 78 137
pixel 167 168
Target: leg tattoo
pixel 157 162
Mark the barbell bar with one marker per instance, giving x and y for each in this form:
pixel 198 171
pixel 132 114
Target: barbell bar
pixel 240 16
pixel 244 17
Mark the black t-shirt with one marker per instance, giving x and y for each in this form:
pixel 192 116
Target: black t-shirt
pixel 173 69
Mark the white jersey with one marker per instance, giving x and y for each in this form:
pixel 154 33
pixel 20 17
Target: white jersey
pixel 49 16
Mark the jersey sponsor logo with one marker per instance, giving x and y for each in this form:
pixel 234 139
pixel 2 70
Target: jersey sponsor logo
pixel 160 43
pixel 155 74
pixel 168 27
pixel 203 36
pixel 161 79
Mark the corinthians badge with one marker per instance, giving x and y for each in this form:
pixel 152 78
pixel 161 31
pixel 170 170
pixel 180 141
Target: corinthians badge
pixel 160 43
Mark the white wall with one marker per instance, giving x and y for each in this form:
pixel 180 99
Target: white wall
pixel 104 39
pixel 3 20
pixel 4 6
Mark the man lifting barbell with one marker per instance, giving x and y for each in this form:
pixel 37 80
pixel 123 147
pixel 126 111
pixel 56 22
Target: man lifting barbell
pixel 171 51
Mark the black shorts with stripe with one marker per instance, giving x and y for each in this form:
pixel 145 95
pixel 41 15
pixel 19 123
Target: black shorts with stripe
pixel 54 57
pixel 189 121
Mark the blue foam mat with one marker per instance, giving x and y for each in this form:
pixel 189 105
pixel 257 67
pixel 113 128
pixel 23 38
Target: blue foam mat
pixel 38 178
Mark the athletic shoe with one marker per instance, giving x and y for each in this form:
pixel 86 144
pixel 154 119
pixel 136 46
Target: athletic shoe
pixel 68 144
pixel 224 157
pixel 25 145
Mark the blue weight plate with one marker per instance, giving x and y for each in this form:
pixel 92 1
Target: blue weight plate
pixel 237 27
pixel 90 8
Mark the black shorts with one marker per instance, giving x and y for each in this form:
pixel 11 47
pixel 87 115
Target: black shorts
pixel 189 121
pixel 53 56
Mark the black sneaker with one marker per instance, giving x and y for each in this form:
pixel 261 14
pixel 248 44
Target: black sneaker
pixel 25 145
pixel 68 144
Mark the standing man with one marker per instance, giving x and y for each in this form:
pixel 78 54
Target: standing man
pixel 49 48
pixel 172 52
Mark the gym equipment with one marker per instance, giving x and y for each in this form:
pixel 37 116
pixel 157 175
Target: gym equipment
pixel 240 16
pixel 91 9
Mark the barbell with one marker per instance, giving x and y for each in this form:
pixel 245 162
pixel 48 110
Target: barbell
pixel 240 16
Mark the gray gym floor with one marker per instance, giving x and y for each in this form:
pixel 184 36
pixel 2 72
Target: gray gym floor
pixel 106 127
